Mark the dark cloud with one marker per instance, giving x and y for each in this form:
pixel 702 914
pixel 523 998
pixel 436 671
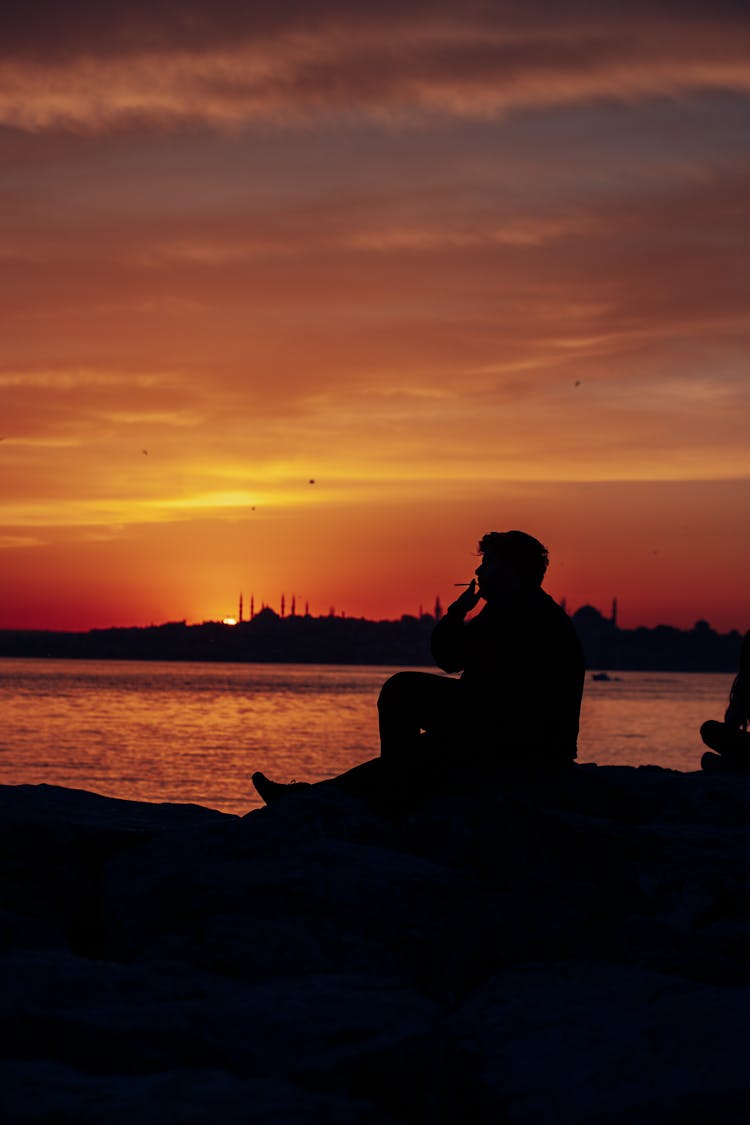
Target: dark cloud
pixel 50 29
pixel 130 66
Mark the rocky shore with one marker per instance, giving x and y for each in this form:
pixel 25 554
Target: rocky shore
pixel 576 953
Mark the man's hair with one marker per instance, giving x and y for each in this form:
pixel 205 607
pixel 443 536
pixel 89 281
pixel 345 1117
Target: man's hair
pixel 523 552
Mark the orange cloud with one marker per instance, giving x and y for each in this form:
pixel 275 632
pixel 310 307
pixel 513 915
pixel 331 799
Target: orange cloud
pixel 482 269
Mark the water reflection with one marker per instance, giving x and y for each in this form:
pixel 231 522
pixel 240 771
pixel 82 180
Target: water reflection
pixel 195 732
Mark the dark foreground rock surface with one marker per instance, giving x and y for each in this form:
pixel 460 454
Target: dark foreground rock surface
pixel 576 954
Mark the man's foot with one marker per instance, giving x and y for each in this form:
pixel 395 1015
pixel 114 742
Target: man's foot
pixel 271 791
pixel 726 763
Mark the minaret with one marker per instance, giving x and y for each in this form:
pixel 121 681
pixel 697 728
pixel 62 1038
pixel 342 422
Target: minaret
pixel 438 608
pixel 614 612
pixel 283 605
pixel 252 606
pixel 239 615
pixel 293 610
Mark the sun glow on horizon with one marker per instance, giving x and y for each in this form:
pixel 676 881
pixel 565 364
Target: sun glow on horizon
pixel 236 357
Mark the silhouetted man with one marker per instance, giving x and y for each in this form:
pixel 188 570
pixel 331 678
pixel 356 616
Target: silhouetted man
pixel 517 703
pixel 731 739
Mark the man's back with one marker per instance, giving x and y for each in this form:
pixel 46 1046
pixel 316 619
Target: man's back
pixel 522 674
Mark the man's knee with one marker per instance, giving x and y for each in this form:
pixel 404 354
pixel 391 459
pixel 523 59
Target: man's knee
pixel 395 689
pixel 713 733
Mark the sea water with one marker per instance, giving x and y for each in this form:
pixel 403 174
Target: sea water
pixel 194 732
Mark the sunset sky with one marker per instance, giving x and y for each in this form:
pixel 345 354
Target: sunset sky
pixel 466 266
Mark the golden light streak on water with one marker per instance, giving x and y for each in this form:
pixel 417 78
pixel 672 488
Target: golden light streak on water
pixel 189 732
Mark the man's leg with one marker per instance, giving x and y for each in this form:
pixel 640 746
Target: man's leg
pixel 733 745
pixel 411 702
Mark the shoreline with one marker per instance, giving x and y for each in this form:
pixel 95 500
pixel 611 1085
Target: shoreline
pixel 271 639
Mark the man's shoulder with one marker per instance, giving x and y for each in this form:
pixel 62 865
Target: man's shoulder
pixel 553 606
pixel 546 606
pixel 555 619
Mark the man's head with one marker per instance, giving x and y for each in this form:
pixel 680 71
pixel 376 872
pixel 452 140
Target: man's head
pixel 512 561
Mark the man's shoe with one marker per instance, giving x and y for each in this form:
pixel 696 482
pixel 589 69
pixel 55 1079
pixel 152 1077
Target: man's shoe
pixel 271 791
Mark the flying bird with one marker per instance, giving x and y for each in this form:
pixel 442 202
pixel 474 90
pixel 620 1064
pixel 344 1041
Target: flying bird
pixel 311 481
pixel 144 452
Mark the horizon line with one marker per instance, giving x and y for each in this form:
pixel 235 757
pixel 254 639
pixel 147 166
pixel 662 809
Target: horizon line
pixel 232 623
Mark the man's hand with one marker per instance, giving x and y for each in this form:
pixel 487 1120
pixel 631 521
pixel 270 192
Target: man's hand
pixel 466 601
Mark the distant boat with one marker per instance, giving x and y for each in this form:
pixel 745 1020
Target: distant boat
pixel 601 677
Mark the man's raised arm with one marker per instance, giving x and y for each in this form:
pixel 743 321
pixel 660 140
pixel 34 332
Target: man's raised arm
pixel 447 641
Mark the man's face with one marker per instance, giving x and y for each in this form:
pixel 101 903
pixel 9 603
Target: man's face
pixel 497 580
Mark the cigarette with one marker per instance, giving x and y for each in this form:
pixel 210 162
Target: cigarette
pixel 464 583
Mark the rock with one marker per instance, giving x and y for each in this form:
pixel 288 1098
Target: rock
pixel 605 1043
pixel 571 951
pixel 51 1092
